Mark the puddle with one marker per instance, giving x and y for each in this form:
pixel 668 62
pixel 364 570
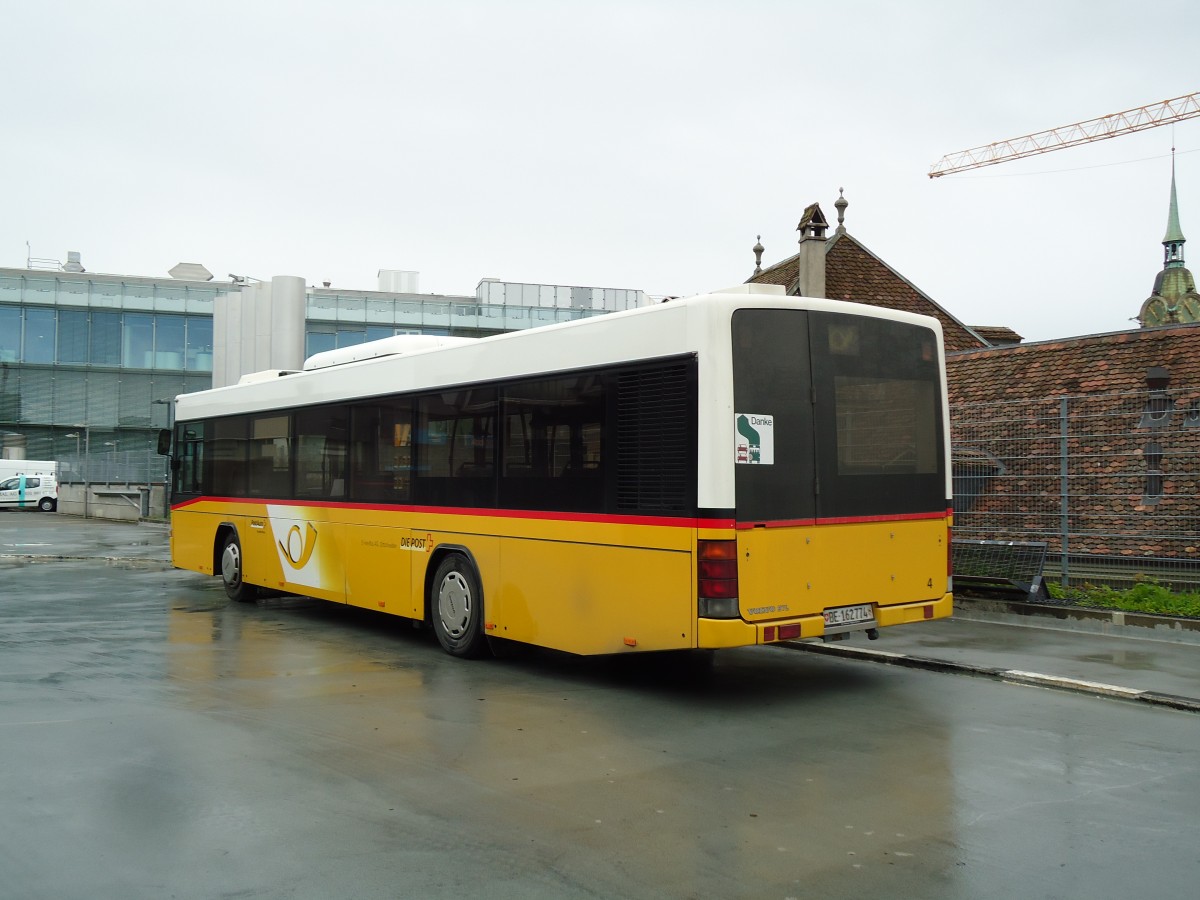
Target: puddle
pixel 1131 660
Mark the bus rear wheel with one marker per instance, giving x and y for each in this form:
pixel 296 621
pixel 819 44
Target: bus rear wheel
pixel 456 608
pixel 231 571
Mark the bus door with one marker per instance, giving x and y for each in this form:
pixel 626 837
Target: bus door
pixel 881 460
pixel 774 463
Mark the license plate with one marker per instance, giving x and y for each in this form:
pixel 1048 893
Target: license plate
pixel 849 615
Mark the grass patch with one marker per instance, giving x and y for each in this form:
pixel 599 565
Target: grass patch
pixel 1145 597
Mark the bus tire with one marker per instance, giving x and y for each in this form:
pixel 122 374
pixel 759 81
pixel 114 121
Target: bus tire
pixel 456 608
pixel 231 571
pixel 46 504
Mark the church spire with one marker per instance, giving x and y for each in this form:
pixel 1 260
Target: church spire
pixel 1174 240
pixel 1174 300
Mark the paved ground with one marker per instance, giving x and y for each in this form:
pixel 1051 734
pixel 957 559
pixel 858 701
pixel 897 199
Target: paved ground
pixel 37 535
pixel 1121 666
pixel 161 741
pixel 1128 663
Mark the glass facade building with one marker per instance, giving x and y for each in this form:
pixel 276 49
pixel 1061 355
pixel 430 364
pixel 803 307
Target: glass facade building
pixel 343 318
pixel 89 363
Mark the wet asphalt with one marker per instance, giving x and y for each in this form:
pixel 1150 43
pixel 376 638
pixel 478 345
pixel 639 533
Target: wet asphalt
pixel 1130 663
pixel 160 741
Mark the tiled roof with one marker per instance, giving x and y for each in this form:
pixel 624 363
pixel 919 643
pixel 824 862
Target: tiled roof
pixel 997 335
pixel 1084 365
pixel 854 273
pixel 1070 431
pixel 784 273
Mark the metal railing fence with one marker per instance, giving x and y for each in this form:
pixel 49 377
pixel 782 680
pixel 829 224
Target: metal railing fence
pixel 1108 481
pixel 142 466
pixel 93 453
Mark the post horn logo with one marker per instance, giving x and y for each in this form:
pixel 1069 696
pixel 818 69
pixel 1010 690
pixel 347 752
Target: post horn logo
pixel 299 549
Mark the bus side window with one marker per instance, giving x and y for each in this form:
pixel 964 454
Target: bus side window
pixel 320 452
pixel 270 457
pixel 189 458
pixel 380 450
pixel 552 450
pixel 455 448
pixel 226 452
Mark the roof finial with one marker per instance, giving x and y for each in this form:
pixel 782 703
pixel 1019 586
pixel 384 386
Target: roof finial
pixel 758 252
pixel 1174 240
pixel 841 205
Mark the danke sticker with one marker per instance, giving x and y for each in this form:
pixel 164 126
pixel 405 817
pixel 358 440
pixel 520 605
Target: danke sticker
pixel 755 439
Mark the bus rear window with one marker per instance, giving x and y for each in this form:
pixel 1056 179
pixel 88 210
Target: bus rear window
pixel 880 447
pixel 885 425
pixel 850 408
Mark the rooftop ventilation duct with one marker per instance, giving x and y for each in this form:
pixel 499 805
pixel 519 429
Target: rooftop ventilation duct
pixel 190 272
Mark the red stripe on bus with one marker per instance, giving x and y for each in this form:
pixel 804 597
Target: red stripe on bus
pixel 901 517
pixel 777 523
pixel 542 515
pixel 845 520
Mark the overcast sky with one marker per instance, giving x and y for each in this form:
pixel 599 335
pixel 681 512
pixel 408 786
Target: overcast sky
pixel 613 144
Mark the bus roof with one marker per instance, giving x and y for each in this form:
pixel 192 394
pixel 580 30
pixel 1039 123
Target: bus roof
pixel 677 327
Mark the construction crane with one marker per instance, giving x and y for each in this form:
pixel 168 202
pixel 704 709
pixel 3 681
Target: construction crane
pixel 1112 125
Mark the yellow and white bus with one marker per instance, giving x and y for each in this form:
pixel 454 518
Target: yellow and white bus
pixel 731 469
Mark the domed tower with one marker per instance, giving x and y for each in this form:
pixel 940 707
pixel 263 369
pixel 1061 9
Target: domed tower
pixel 1174 300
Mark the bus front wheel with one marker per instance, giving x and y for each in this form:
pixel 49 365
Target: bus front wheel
pixel 456 608
pixel 231 571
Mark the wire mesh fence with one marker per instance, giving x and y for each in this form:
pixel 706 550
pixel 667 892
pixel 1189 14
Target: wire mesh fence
pixel 1107 481
pixel 143 466
pixel 105 462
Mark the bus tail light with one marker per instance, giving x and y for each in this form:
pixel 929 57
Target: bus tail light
pixel 717 579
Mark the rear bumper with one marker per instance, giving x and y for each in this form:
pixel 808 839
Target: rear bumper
pixel 713 634
pixel 915 612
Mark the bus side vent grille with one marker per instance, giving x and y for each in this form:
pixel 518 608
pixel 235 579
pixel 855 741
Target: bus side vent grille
pixel 653 427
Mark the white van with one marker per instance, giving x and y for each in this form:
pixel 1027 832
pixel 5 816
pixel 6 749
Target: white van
pixel 28 483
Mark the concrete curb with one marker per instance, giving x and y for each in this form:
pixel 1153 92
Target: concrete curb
pixel 1080 618
pixel 1011 676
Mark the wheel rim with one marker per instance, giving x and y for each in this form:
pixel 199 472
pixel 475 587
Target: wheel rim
pixel 231 565
pixel 454 604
